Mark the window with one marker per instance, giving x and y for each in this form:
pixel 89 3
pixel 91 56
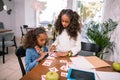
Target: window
pixel 50 12
pixel 90 9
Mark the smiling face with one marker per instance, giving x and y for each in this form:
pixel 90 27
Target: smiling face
pixel 41 39
pixel 65 20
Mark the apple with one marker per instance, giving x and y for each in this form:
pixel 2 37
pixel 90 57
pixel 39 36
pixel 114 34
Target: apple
pixel 52 75
pixel 116 66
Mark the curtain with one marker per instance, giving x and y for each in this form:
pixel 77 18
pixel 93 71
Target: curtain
pixel 112 10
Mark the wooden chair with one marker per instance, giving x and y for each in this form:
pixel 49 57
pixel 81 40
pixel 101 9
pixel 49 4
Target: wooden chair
pixel 88 49
pixel 6 40
pixel 20 52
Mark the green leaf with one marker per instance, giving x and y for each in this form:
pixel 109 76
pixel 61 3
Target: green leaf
pixel 99 33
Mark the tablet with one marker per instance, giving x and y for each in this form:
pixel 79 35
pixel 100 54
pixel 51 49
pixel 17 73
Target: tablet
pixel 74 74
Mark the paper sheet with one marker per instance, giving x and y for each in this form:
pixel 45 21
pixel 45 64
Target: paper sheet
pixel 88 62
pixel 80 62
pixel 97 62
pixel 92 62
pixel 108 75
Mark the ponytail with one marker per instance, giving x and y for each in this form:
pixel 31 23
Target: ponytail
pixel 76 16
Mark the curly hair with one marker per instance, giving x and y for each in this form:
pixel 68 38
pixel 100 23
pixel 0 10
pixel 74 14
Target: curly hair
pixel 73 28
pixel 30 39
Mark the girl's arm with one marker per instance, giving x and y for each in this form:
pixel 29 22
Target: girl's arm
pixel 28 60
pixel 61 54
pixel 42 51
pixel 53 47
pixel 77 47
pixel 43 54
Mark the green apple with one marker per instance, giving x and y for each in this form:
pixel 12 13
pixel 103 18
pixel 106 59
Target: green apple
pixel 116 66
pixel 52 75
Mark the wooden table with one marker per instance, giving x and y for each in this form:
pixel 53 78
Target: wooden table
pixel 35 73
pixel 4 30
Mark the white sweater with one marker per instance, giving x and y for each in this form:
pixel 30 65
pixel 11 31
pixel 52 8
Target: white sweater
pixel 64 43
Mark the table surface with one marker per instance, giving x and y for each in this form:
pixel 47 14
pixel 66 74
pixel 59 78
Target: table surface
pixel 5 30
pixel 35 73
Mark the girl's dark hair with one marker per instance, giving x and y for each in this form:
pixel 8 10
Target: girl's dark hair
pixel 73 28
pixel 30 39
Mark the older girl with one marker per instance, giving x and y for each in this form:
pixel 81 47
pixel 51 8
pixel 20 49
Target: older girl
pixel 68 41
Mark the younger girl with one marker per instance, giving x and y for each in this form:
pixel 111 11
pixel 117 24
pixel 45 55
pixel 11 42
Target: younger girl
pixel 68 41
pixel 36 50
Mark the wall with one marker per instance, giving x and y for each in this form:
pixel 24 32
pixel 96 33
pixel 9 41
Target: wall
pixel 69 4
pixel 19 16
pixel 5 18
pixel 112 10
pixel 30 15
pixel 22 13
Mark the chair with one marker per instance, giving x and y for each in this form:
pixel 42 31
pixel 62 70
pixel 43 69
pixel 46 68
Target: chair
pixel 7 40
pixel 1 5
pixel 1 25
pixel 22 31
pixel 88 49
pixel 2 45
pixel 25 27
pixel 20 52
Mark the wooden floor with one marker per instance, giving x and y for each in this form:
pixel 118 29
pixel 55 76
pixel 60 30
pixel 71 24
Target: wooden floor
pixel 10 70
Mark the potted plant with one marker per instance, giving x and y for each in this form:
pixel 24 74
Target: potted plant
pixel 100 33
pixel 49 26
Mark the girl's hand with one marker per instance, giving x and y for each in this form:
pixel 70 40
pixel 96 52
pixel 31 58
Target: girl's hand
pixel 43 54
pixel 53 48
pixel 39 50
pixel 61 54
